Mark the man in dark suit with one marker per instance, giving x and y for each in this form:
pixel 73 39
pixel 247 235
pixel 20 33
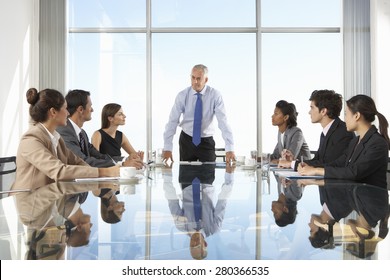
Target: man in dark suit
pixel 80 109
pixel 325 108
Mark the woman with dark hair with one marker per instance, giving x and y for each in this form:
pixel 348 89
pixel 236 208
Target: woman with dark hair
pixel 366 158
pixel 42 156
pixel 109 140
pixel 290 137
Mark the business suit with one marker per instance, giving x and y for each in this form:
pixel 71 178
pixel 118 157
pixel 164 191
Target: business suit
pixel 293 141
pixel 334 144
pixel 38 164
pixel 93 157
pixel 365 161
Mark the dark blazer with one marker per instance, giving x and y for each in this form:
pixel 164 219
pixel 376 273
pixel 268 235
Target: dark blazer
pixel 364 161
pixel 94 157
pixel 335 144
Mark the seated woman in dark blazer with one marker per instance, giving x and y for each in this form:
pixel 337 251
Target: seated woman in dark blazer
pixel 42 156
pixel 290 137
pixel 366 158
pixel 109 140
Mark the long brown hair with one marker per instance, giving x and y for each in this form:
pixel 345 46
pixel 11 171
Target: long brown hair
pixel 109 110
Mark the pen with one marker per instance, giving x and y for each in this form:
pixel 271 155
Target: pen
pixel 302 161
pixel 111 159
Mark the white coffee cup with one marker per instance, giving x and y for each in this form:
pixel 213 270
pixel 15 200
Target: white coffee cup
pixel 127 172
pixel 159 160
pixel 240 159
pixel 250 161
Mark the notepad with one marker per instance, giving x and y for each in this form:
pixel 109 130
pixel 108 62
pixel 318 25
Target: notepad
pixel 295 175
pixel 97 179
pixel 191 163
pixel 276 169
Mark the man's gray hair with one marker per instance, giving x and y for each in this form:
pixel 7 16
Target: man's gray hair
pixel 201 67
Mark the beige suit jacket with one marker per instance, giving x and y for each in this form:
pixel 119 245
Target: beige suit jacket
pixel 37 163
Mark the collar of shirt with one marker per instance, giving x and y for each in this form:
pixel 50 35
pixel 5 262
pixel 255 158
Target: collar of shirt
pixel 282 138
pixel 326 128
pixel 326 209
pixel 202 92
pixel 76 128
pixel 54 138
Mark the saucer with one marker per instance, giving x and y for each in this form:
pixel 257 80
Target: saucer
pixel 127 179
pixel 249 166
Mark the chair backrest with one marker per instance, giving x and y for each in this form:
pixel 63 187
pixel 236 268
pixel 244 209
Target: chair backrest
pixel 221 155
pixel 7 172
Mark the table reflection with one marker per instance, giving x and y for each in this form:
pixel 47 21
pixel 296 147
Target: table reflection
pixel 234 214
pixel 339 200
pixel 193 210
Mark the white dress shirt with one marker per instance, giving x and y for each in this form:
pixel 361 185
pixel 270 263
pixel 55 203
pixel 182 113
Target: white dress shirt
pixel 185 105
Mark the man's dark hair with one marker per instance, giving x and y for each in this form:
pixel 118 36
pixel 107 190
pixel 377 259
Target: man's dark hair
pixel 76 98
pixel 328 99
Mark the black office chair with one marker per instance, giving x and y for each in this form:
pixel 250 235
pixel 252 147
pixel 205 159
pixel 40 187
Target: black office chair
pixel 221 155
pixel 7 172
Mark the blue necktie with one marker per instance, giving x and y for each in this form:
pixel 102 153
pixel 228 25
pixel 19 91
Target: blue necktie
pixel 197 120
pixel 196 201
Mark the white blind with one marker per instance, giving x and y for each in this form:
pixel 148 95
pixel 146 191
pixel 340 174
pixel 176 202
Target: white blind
pixel 356 37
pixel 52 44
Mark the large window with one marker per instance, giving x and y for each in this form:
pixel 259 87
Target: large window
pixel 124 53
pixel 112 68
pixel 231 59
pixel 293 65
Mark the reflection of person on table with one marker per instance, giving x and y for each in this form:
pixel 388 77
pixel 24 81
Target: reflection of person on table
pixel 111 209
pixel 340 199
pixel 211 104
pixel 109 140
pixel 211 216
pixel 366 158
pixel 42 156
pixel 54 219
pixel 285 208
pixel 290 137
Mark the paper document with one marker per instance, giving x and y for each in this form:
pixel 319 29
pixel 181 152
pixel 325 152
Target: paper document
pixel 191 163
pixel 295 175
pixel 97 179
pixel 280 169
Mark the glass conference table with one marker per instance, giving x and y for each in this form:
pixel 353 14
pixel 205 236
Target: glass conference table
pixel 244 216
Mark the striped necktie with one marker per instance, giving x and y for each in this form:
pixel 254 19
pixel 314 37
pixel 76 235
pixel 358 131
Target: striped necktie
pixel 83 143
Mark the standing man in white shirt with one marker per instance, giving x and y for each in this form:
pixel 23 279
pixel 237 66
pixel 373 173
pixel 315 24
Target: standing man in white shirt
pixel 191 146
